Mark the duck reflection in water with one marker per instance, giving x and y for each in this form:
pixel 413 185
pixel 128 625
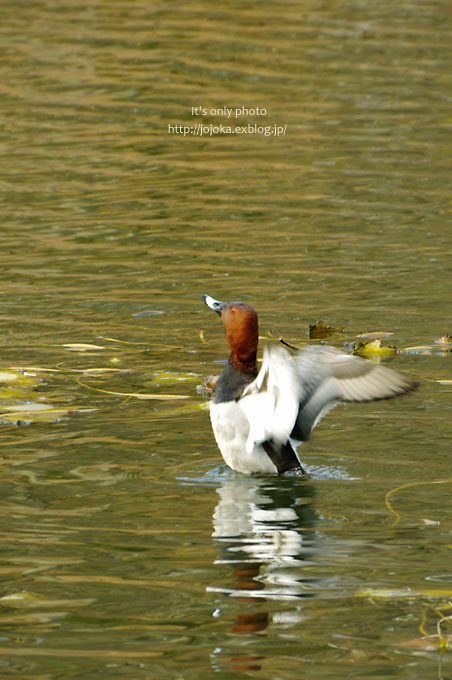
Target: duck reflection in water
pixel 265 530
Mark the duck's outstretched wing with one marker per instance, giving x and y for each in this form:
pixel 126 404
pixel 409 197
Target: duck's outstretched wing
pixel 328 376
pixel 271 402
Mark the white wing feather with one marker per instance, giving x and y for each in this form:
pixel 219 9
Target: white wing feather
pixel 271 401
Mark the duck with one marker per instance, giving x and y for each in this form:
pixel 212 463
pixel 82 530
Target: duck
pixel 261 416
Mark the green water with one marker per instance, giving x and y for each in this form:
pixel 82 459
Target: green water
pixel 128 548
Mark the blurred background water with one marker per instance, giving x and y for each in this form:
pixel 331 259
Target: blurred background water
pixel 128 548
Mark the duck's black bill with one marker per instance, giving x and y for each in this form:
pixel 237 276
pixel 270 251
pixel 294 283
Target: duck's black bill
pixel 213 304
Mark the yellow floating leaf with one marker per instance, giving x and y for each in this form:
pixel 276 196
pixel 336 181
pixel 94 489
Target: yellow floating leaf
pixel 81 347
pixel 372 348
pixel 444 382
pixel 102 371
pixel 443 644
pixel 28 407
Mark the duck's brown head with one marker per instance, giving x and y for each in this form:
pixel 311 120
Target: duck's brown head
pixel 241 329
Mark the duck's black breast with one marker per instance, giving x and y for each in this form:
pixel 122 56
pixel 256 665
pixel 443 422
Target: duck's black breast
pixel 231 383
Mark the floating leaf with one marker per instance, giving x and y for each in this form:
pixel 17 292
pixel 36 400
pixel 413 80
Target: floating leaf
pixel 444 382
pixel 319 330
pixel 162 397
pixel 16 597
pixel 174 377
pixel 206 388
pixel 28 407
pixel 26 414
pixel 33 370
pixel 27 599
pixel 18 379
pixel 419 349
pixel 374 335
pixel 439 348
pixel 81 347
pixel 445 340
pixel 101 371
pixel 6 377
pixel 373 348
pixel 403 593
pixel 148 313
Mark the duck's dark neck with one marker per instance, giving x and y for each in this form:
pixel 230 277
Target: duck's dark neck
pixel 247 365
pixel 236 376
